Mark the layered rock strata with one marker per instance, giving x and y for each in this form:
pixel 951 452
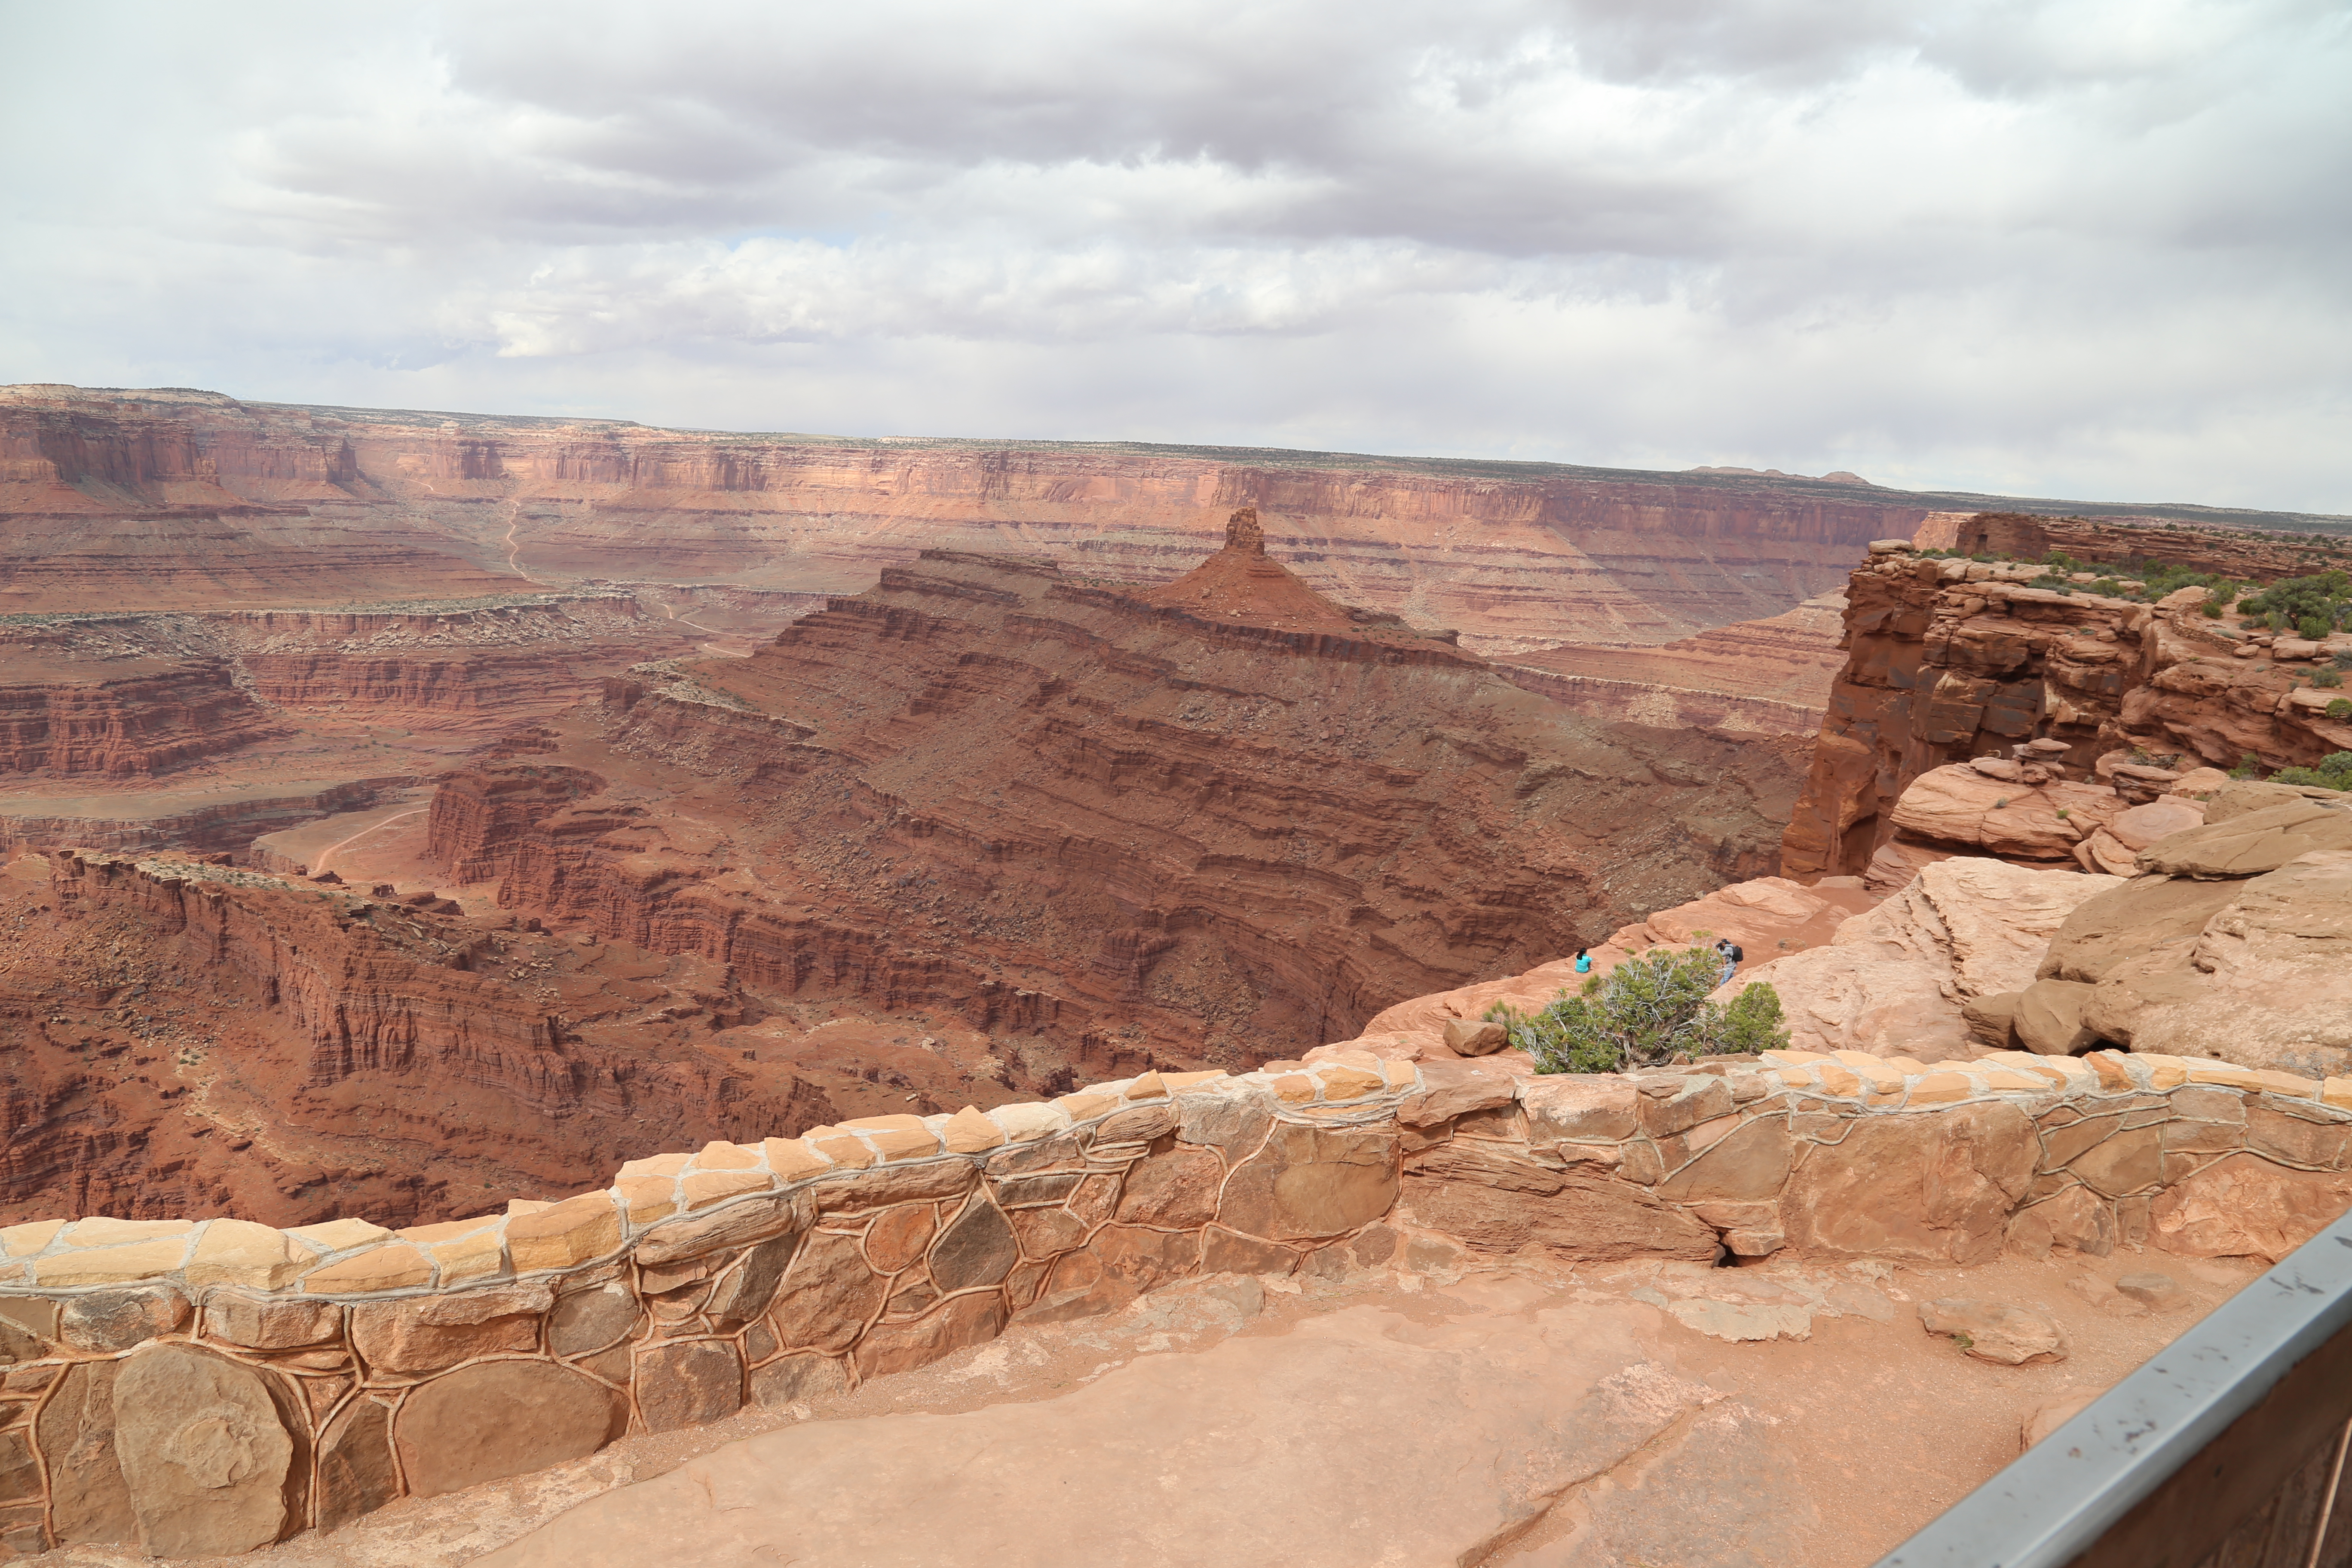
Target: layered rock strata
pixel 184 1037
pixel 318 1372
pixel 1952 659
pixel 1201 825
pixel 123 721
pixel 1772 675
pixel 2026 536
pixel 142 498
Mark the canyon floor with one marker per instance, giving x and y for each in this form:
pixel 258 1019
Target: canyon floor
pixel 1584 1422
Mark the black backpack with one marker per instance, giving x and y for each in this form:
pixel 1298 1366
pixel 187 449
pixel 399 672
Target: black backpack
pixel 1736 956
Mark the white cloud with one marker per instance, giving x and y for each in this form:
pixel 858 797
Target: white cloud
pixel 2085 248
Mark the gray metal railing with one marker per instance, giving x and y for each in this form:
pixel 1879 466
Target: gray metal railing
pixel 2226 1450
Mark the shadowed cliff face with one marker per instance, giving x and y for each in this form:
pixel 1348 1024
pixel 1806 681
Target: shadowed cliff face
pixel 1208 824
pixel 137 500
pixel 180 1040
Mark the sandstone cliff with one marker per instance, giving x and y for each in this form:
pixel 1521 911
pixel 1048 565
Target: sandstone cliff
pixel 144 498
pixel 1950 659
pixel 183 1038
pixel 1210 823
pixel 120 719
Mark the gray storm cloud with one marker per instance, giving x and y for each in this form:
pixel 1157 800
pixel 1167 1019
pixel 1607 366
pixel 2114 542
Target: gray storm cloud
pixel 2089 249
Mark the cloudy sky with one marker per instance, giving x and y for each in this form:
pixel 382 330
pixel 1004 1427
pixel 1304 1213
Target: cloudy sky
pixel 2095 248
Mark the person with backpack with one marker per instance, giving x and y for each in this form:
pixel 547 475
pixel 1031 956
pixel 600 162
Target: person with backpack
pixel 1728 951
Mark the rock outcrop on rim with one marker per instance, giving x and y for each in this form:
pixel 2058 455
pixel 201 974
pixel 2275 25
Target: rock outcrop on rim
pixel 1209 823
pixel 1953 660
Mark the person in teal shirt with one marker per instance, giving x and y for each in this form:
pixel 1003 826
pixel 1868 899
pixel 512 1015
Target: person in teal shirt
pixel 1583 961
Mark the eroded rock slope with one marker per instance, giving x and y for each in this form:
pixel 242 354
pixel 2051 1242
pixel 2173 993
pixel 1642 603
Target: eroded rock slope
pixel 1210 822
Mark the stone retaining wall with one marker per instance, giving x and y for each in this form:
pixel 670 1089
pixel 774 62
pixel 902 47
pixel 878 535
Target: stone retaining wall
pixel 206 1387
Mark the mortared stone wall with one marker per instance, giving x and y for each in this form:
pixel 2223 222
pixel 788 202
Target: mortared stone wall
pixel 207 1387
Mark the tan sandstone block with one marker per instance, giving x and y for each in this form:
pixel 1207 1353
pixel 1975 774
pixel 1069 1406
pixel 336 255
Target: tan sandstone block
pixel 2163 1072
pixel 469 1257
pixel 1084 1107
pixel 1151 1085
pixel 2010 1078
pixel 2287 1083
pixel 793 1159
pixel 103 1232
pixel 720 1155
pixel 1940 1088
pixel 903 1137
pixel 969 1132
pixel 2109 1065
pixel 239 1252
pixel 2336 1091
pixel 1177 1082
pixel 1295 1088
pixel 842 1149
pixel 1792 1058
pixel 529 1205
pixel 646 1199
pixel 1881 1078
pixel 706 1187
pixel 24 1240
pixel 1399 1077
pixel 1838 1080
pixel 392 1266
pixel 335 1235
pixel 1350 1083
pixel 1027 1121
pixel 113 1265
pixel 571 1232
pixel 1795 1077
pixel 1910 1067
pixel 658 1166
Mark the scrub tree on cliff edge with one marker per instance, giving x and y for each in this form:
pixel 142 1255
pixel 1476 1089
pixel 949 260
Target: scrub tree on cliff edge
pixel 1645 1012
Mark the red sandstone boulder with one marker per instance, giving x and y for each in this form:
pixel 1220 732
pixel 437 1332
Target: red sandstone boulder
pixel 1895 981
pixel 2265 981
pixel 1994 1330
pixel 1959 806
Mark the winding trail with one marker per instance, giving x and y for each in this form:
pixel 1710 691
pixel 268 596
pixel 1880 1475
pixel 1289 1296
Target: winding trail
pixel 671 610
pixel 328 853
pixel 514 548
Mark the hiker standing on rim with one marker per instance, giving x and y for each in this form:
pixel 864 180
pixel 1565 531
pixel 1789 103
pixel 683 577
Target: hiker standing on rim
pixel 1728 951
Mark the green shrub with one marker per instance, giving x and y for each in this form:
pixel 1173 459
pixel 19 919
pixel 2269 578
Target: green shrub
pixel 2342 658
pixel 1647 1011
pixel 2315 627
pixel 2249 766
pixel 2340 708
pixel 1753 1022
pixel 2328 678
pixel 2334 771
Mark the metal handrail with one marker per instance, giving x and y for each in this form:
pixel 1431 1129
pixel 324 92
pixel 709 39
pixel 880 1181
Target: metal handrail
pixel 2065 1499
